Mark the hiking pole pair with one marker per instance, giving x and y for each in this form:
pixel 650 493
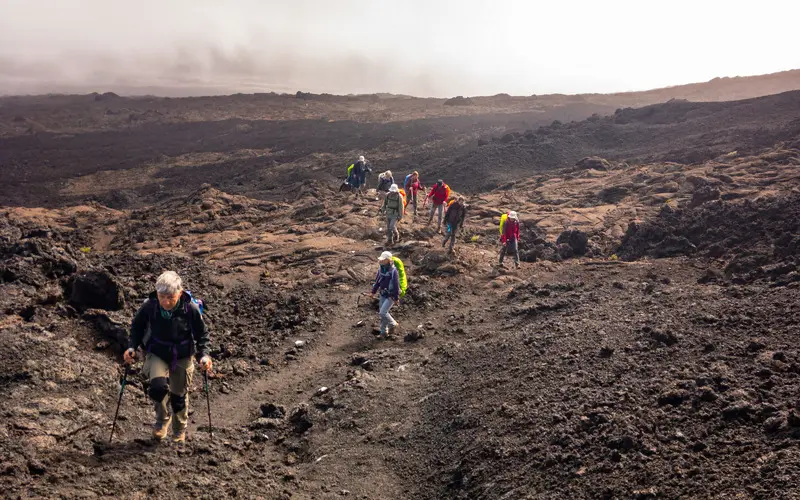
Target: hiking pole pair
pixel 123 383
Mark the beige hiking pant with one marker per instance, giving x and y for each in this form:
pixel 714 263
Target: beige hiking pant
pixel 179 382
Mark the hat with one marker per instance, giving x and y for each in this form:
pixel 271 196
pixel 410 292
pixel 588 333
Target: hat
pixel 385 256
pixel 440 182
pixel 361 158
pixel 512 215
pixel 394 189
pixel 388 173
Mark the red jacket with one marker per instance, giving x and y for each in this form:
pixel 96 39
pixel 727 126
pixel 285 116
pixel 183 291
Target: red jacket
pixel 412 187
pixel 439 193
pixel 510 231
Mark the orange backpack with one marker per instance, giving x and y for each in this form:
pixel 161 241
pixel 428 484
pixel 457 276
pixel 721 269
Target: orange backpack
pixel 405 200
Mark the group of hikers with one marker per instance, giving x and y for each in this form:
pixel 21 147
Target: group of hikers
pixel 452 210
pixel 169 328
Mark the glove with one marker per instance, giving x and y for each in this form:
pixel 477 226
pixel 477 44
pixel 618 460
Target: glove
pixel 129 356
pixel 205 363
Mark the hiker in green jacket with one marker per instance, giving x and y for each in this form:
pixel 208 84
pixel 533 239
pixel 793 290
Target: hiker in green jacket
pixel 393 208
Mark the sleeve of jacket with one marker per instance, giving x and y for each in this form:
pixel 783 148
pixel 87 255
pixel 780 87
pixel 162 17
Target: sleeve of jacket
pixel 199 331
pixel 516 231
pixel 395 285
pixel 139 325
pixel 377 282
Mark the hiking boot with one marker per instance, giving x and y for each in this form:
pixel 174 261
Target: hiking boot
pixel 516 265
pixel 393 329
pixel 160 430
pixel 179 437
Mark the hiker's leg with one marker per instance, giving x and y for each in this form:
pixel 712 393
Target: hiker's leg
pixel 180 380
pixel 452 238
pixel 157 373
pixel 414 202
pixel 441 214
pixel 502 253
pixel 386 318
pixel 430 215
pixel 391 228
pixel 515 249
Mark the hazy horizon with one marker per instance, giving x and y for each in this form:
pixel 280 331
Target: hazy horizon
pixel 428 49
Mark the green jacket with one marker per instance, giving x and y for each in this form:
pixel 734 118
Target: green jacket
pixel 393 206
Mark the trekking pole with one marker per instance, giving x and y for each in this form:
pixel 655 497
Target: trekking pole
pixel 208 401
pixel 119 402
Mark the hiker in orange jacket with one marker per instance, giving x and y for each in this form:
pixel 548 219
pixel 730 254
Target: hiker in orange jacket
pixel 438 195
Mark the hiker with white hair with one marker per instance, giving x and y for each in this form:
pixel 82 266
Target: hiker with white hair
pixel 385 181
pixel 387 285
pixel 394 209
pixel 509 237
pixel 169 327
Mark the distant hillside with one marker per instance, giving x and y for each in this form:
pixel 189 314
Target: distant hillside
pixel 108 111
pixel 678 131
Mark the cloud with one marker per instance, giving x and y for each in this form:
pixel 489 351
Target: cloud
pixel 418 47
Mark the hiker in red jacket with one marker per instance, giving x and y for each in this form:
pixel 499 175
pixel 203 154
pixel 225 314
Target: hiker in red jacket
pixel 412 186
pixel 510 238
pixel 438 196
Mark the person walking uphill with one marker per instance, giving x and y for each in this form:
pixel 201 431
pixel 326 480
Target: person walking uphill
pixel 366 170
pixel 357 175
pixel 509 237
pixel 393 208
pixel 454 220
pixel 385 181
pixel 387 283
pixel 438 195
pixel 176 332
pixel 413 186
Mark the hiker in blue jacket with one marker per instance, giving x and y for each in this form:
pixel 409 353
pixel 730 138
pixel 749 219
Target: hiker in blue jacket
pixel 357 175
pixel 387 282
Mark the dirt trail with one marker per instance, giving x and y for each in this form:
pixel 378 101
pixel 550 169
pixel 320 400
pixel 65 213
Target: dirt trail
pixel 295 382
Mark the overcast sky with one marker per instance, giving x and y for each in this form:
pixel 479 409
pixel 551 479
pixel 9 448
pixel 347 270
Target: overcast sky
pixel 419 47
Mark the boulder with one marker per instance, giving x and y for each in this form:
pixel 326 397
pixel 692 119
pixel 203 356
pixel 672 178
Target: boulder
pixel 593 163
pixel 112 325
pixel 577 240
pixel 704 194
pixel 96 290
